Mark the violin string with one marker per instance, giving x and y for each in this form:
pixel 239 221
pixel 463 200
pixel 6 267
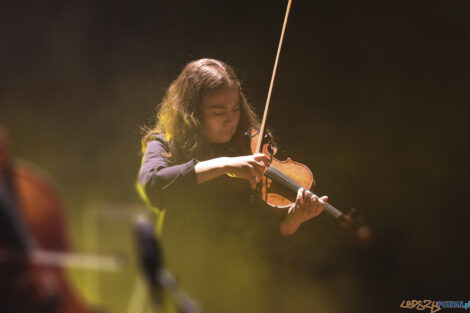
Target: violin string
pixel 287 181
pixel 282 179
pixel 278 176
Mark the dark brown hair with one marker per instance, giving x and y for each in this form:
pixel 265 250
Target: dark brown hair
pixel 179 115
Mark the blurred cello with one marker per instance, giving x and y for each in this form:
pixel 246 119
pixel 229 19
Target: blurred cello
pixel 31 219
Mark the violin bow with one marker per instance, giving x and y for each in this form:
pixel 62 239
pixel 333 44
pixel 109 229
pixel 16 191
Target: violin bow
pixel 273 76
pixel 364 231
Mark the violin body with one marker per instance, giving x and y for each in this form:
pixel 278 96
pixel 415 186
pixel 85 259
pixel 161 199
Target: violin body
pixel 283 179
pixel 273 192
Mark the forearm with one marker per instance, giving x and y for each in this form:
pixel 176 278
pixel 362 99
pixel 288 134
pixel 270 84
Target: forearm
pixel 210 169
pixel 289 224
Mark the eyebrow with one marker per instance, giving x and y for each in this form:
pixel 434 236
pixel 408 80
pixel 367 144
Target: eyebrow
pixel 220 106
pixel 216 106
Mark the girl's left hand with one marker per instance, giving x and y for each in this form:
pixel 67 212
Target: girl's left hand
pixel 306 206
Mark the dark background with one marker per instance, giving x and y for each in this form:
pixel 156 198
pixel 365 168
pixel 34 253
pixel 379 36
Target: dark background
pixel 371 95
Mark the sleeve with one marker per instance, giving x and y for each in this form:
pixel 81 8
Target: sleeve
pixel 157 178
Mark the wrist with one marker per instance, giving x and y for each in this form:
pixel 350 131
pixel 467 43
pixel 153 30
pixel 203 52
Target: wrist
pixel 209 169
pixel 224 168
pixel 289 225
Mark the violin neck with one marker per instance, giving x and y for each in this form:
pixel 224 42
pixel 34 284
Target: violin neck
pixel 281 178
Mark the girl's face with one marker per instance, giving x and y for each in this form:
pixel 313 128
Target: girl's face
pixel 221 114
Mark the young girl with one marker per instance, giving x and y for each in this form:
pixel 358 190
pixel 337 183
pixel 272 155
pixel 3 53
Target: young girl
pixel 197 170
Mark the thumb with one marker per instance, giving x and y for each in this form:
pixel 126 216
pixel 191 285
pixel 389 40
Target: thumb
pixel 252 183
pixel 324 198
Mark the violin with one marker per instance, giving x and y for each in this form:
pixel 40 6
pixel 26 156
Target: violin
pixel 283 179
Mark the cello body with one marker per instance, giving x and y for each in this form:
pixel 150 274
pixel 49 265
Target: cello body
pixel 32 218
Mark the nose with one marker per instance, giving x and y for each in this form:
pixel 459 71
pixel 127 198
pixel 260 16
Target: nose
pixel 230 119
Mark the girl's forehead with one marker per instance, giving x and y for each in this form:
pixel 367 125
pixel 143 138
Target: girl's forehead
pixel 222 98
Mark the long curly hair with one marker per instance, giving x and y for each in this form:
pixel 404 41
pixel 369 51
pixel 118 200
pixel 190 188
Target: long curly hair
pixel 179 115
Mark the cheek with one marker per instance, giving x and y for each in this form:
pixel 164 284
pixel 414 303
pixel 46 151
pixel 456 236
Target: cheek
pixel 211 124
pixel 237 117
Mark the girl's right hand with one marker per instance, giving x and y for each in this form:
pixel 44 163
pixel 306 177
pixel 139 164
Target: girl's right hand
pixel 250 167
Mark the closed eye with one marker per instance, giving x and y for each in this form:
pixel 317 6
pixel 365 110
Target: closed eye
pixel 218 113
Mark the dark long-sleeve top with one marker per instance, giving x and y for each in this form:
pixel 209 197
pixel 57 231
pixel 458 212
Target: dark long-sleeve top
pixel 216 204
pixel 159 178
pixel 208 227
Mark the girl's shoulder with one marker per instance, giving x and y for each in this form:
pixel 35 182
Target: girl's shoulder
pixel 157 143
pixel 158 136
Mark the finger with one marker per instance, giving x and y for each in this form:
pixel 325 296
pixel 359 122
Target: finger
pixel 253 182
pixel 308 204
pixel 299 198
pixel 314 198
pixel 321 202
pixel 263 158
pixel 318 209
pixel 302 202
pixel 307 197
pixel 291 208
pixel 251 170
pixel 319 206
pixel 259 166
pixel 249 173
pixel 255 173
pixel 315 204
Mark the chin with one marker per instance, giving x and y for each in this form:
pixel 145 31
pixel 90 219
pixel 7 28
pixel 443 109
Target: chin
pixel 223 138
